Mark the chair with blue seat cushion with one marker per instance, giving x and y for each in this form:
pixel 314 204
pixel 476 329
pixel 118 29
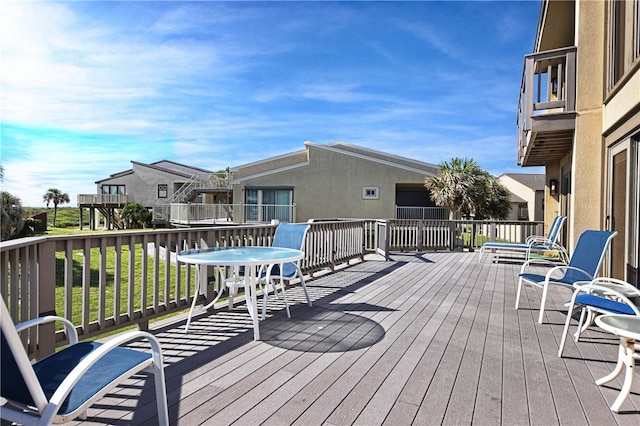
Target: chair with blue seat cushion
pixel 65 384
pixel 288 235
pixel 533 243
pixel 607 296
pixel 583 266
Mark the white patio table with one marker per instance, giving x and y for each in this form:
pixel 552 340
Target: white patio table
pixel 628 328
pixel 253 259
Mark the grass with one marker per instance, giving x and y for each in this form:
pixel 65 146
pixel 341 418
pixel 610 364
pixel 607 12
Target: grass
pixel 68 223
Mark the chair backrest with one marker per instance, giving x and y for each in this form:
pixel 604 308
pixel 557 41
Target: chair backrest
pixel 290 235
pixel 588 254
pixel 554 231
pixel 18 381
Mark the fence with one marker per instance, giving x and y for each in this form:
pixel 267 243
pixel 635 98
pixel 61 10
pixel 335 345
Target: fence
pixel 105 282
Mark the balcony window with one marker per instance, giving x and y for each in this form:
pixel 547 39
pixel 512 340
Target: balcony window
pixel 113 189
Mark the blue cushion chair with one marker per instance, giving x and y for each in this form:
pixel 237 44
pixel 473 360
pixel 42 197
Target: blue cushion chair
pixel 605 295
pixel 533 243
pixel 61 386
pixel 583 266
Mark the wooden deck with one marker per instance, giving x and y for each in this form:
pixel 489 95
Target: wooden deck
pixel 427 338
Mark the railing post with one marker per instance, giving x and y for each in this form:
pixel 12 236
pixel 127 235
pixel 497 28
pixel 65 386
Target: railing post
pixel 45 286
pixel 452 235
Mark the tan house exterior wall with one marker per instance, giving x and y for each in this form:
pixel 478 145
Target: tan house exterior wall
pixel 330 183
pixel 588 166
pixel 607 117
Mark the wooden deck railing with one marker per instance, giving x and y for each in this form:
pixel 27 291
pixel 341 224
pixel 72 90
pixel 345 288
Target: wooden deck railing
pixel 108 281
pixel 105 282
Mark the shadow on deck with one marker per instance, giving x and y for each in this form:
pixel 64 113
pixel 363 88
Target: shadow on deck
pixel 427 338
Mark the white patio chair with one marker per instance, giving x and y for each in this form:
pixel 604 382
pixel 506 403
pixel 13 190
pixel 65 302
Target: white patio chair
pixel 583 266
pixel 533 243
pixel 601 296
pixel 61 386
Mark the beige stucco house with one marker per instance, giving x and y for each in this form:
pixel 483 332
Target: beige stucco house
pixel 333 181
pixel 527 195
pixel 579 117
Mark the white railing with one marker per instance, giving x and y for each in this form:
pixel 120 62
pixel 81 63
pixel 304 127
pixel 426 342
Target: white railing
pixel 384 236
pixel 403 212
pixel 202 214
pixel 196 214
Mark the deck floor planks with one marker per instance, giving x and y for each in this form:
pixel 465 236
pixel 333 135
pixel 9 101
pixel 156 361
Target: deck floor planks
pixel 372 360
pixel 454 350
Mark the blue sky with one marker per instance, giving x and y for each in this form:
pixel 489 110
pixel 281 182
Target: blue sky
pixel 87 87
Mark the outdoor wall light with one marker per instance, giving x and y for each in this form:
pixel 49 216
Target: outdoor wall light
pixel 553 186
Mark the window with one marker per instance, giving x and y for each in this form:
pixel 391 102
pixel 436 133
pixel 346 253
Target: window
pixel 113 189
pixel 266 204
pixel 163 190
pixel 616 35
pixel 523 212
pixel 370 193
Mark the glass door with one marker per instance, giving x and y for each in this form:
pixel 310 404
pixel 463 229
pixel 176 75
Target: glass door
pixel 622 211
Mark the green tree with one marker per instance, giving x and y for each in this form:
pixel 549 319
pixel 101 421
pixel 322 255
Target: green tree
pixel 55 196
pixel 135 215
pixel 11 215
pixel 466 189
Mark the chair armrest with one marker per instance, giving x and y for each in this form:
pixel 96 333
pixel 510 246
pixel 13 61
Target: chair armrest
pixel 69 328
pixel 536 238
pixel 76 374
pixel 555 269
pixel 615 287
pixel 540 262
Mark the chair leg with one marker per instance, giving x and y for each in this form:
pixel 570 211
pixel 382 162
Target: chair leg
pixel 161 395
pixel 543 301
pixel 570 313
pixel 518 292
pixel 304 287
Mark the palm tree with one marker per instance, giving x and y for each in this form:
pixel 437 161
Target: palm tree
pixel 56 197
pixel 466 189
pixel 10 215
pixel 453 186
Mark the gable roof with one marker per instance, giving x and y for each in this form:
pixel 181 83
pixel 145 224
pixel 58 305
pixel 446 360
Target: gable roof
pixel 531 180
pixel 301 158
pixel 165 166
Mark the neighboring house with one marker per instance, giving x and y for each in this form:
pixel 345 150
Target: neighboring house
pixel 332 181
pixel 152 185
pixel 579 117
pixel 527 195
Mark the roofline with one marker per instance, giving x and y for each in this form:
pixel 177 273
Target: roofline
pixel 332 147
pixel 182 165
pixel 268 172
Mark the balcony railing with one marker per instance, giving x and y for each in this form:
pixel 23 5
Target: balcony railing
pixel 105 282
pixel 196 214
pixel 404 212
pixel 546 110
pixel 102 199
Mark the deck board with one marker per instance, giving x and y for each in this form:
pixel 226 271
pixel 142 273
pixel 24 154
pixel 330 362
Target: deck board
pixel 425 338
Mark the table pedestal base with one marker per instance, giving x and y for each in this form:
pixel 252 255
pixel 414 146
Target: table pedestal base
pixel 626 362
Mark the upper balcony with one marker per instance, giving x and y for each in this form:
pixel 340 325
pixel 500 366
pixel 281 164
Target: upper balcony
pixel 546 110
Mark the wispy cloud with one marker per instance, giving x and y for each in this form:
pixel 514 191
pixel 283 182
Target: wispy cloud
pixel 87 87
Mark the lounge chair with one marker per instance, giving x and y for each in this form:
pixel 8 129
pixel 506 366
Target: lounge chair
pixel 583 266
pixel 63 385
pixel 533 243
pixel 600 296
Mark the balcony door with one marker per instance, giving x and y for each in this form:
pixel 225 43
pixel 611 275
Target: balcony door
pixel 622 211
